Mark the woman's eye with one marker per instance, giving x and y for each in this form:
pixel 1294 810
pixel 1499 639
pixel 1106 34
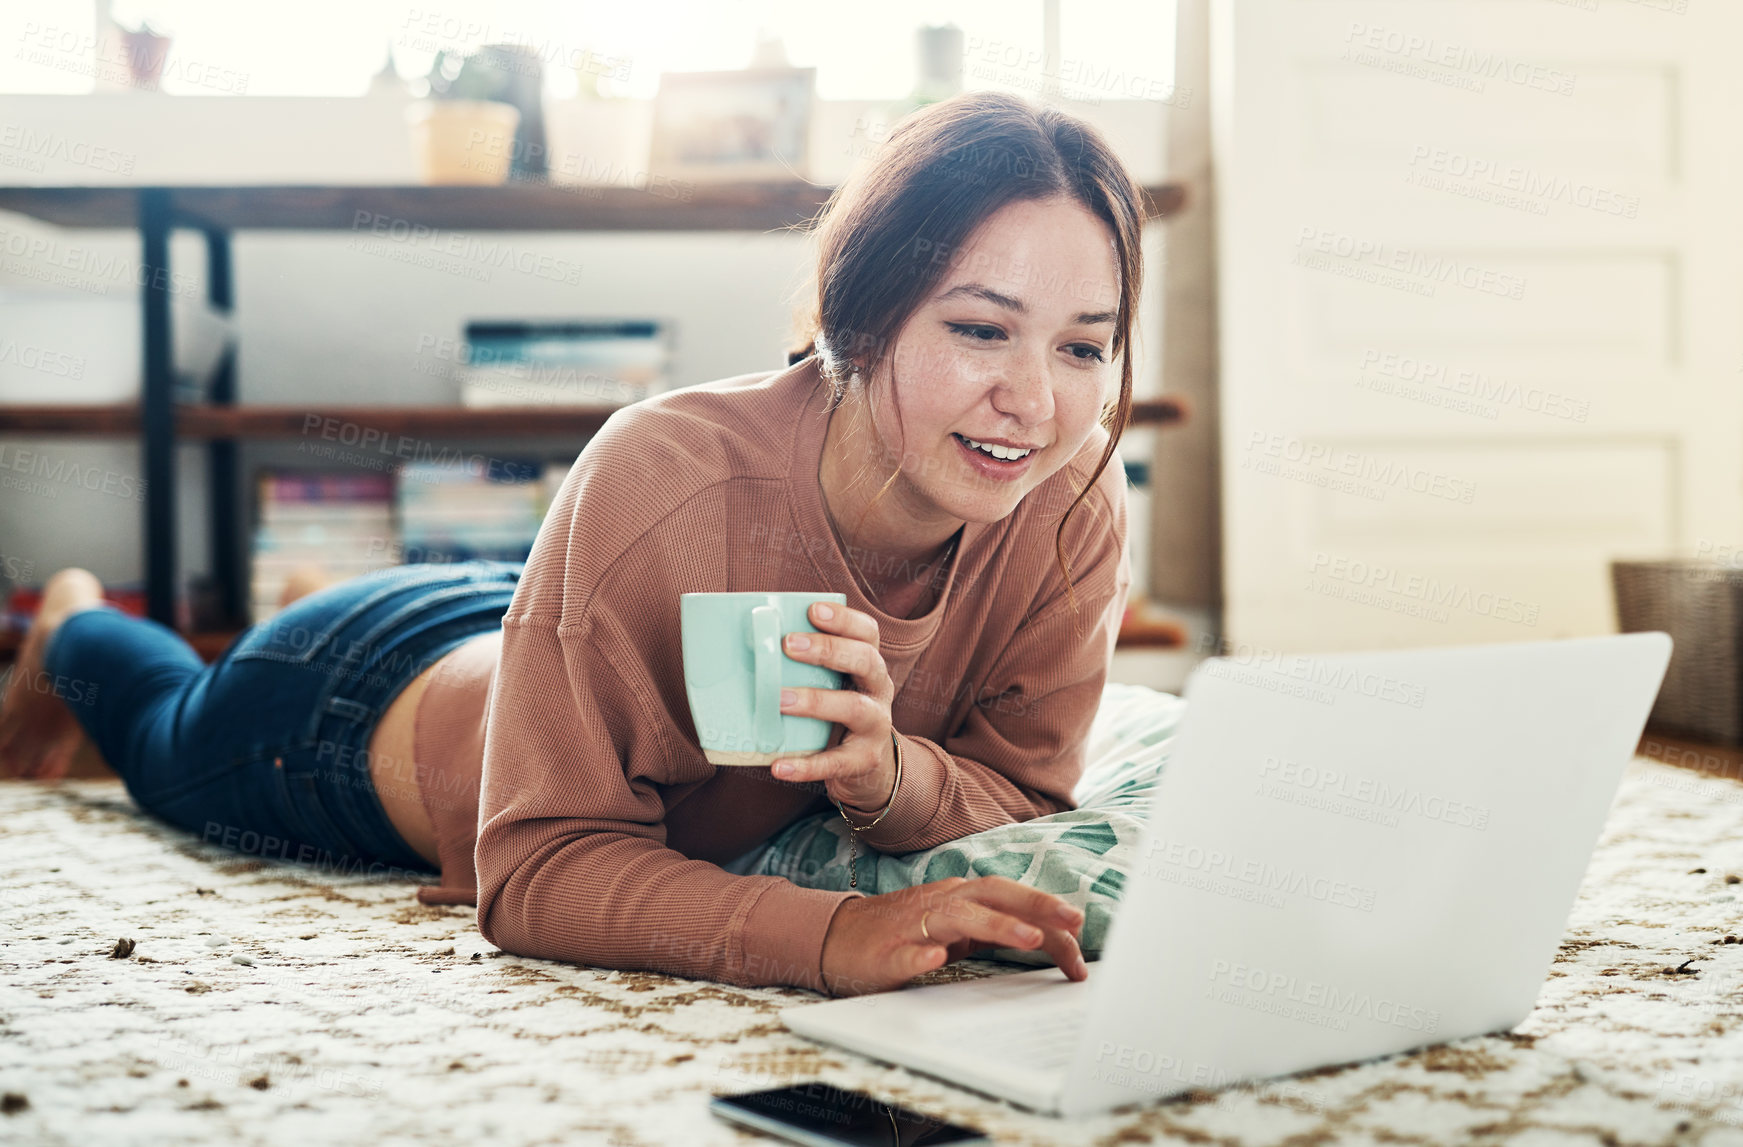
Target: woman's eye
pixel 977 331
pixel 1094 354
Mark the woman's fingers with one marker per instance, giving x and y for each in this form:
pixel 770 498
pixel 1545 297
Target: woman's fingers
pixel 881 942
pixel 846 707
pixel 840 763
pixel 962 949
pixel 854 714
pixel 956 920
pixel 845 620
pixel 858 659
pixel 1042 909
pixel 847 643
pixel 964 932
pixel 925 957
pixel 1063 947
pixel 1015 914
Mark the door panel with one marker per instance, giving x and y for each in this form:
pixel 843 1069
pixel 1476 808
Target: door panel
pixel 1481 300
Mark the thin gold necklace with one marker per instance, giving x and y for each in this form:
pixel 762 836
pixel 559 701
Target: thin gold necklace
pixel 841 542
pixel 865 582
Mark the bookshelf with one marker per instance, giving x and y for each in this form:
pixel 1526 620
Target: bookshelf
pixel 215 423
pixel 216 212
pixel 1137 633
pixel 740 206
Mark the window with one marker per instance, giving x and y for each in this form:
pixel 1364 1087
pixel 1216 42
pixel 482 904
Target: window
pixel 1108 49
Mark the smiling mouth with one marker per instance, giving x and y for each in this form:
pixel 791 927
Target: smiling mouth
pixel 1004 454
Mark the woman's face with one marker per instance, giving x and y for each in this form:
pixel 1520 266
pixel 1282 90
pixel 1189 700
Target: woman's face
pixel 1014 346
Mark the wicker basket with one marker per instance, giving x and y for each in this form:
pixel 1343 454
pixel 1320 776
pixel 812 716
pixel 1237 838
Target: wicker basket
pixel 1700 604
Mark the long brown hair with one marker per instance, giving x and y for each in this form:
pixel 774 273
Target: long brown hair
pixel 885 237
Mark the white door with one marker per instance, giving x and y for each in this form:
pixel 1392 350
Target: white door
pixel 1481 300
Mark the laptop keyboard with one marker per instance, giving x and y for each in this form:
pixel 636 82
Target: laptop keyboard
pixel 1044 1041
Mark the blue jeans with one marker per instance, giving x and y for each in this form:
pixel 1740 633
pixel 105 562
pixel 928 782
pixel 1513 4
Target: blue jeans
pixel 265 751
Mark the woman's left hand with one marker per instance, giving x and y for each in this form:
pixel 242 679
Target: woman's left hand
pixel 860 770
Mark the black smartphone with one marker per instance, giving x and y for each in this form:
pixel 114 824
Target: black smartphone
pixel 820 1114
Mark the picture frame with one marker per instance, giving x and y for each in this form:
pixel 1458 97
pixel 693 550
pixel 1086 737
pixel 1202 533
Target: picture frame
pixel 747 124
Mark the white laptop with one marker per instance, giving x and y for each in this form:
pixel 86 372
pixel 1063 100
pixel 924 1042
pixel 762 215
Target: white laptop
pixel 1347 856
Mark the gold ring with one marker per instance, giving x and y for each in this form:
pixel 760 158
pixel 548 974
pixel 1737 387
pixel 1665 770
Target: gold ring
pixel 923 931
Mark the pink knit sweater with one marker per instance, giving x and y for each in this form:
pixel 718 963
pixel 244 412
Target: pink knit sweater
pixel 560 756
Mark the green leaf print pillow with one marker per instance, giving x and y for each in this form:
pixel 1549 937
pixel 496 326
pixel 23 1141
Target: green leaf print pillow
pixel 1083 856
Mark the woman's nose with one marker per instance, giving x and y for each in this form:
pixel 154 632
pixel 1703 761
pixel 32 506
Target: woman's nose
pixel 1025 393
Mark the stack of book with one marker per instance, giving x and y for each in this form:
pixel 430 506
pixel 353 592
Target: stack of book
pixel 337 523
pixel 570 364
pixel 470 508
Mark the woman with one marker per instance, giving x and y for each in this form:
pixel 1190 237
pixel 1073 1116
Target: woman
pixel 936 452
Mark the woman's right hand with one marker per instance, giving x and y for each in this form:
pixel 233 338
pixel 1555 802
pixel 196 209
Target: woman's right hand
pixel 875 943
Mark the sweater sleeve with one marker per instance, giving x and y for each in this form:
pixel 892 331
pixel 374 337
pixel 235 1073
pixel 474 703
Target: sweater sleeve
pixel 572 862
pixel 580 748
pixel 1021 750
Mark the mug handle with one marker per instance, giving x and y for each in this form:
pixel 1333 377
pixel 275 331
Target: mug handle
pixel 765 623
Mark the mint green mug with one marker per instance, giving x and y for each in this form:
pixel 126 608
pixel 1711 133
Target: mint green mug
pixel 735 664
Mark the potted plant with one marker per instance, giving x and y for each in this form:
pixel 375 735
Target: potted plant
pixel 459 133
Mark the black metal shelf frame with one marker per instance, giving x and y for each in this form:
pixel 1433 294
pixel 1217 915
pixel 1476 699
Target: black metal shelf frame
pixel 157 223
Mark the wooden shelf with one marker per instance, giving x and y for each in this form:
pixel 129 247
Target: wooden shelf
pixel 1146 627
pixel 1150 634
pixel 1158 411
pixel 395 209
pixel 195 423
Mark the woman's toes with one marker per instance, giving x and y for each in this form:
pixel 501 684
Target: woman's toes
pixel 38 733
pixel 301 582
pixel 65 592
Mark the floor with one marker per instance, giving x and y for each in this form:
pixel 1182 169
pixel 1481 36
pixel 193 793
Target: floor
pixel 154 989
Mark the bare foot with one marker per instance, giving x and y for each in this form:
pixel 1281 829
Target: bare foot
pixel 303 581
pixel 39 736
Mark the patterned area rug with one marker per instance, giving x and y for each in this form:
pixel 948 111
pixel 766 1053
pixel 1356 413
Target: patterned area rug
pixel 274 1004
